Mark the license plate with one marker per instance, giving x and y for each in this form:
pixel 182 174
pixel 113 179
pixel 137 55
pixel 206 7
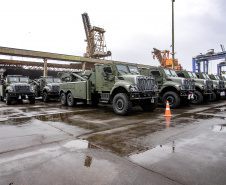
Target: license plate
pixel 222 93
pixel 19 97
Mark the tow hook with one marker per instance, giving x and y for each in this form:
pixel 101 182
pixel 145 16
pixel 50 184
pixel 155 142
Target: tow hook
pixel 191 96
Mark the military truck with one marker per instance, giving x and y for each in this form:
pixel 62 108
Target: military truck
pixel 218 85
pixel 203 87
pixel 116 83
pixel 222 85
pixel 47 87
pixel 16 88
pixel 172 88
pixel 224 79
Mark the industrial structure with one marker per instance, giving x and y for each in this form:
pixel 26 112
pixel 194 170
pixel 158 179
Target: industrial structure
pixel 164 60
pixel 96 46
pixel 204 59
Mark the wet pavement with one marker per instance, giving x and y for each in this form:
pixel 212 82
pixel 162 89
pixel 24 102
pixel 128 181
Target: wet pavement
pixel 47 143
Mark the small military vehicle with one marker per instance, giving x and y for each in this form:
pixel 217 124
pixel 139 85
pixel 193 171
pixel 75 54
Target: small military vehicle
pixel 218 86
pixel 16 88
pixel 203 87
pixel 172 88
pixel 116 83
pixel 47 87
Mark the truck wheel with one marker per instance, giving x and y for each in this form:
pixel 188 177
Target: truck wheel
pixel 32 100
pixel 45 97
pixel 8 101
pixel 121 104
pixel 63 99
pixel 173 99
pixel 148 106
pixel 212 97
pixel 198 98
pixel 70 100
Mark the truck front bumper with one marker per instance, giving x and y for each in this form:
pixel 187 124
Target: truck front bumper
pixel 143 95
pixel 20 95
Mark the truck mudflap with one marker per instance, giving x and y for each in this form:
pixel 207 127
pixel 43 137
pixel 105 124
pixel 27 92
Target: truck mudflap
pixel 141 95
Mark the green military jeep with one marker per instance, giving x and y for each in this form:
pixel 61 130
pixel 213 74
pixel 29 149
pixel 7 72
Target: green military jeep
pixel 218 85
pixel 172 88
pixel 16 88
pixel 47 87
pixel 116 83
pixel 203 87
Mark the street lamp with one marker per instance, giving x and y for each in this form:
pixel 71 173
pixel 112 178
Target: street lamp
pixel 173 34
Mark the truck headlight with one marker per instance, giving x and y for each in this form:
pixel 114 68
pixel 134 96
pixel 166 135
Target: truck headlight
pixel 132 88
pixel 178 87
pixel 10 90
pixel 201 87
pixel 32 89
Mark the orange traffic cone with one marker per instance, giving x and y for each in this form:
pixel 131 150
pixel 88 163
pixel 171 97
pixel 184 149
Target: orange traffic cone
pixel 167 112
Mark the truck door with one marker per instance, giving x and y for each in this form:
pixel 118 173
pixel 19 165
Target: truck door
pixel 158 78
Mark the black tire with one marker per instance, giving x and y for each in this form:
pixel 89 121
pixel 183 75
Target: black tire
pixel 198 98
pixel 173 99
pixel 70 100
pixel 32 100
pixel 148 106
pixel 7 99
pixel 121 104
pixel 63 99
pixel 1 98
pixel 213 97
pixel 45 97
pixel 95 100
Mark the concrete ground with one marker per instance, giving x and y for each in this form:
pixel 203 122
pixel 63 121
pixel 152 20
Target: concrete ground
pixel 47 143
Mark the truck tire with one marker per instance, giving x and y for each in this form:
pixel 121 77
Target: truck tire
pixel 32 100
pixel 198 98
pixel 148 106
pixel 63 99
pixel 173 99
pixel 7 99
pixel 121 104
pixel 212 97
pixel 70 100
pixel 45 97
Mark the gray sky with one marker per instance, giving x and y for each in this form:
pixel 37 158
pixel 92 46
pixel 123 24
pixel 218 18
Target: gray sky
pixel 133 28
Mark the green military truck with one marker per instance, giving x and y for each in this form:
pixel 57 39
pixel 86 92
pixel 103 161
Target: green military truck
pixel 224 79
pixel 203 87
pixel 16 88
pixel 172 88
pixel 115 83
pixel 47 87
pixel 218 86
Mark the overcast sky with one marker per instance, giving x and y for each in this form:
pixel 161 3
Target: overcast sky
pixel 133 28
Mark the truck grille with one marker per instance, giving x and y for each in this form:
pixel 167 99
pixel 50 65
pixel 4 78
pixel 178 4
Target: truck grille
pixel 209 85
pixel 55 88
pixel 189 84
pixel 145 83
pixel 22 88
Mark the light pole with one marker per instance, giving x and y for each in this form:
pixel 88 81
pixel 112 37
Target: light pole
pixel 173 34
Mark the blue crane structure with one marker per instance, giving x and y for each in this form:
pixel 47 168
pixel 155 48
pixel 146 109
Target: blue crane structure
pixel 196 61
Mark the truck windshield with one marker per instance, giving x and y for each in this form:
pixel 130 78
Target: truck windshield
pixel 190 74
pixel 217 77
pixel 133 69
pixel 173 73
pixel 49 80
pixel 13 79
pixel 57 80
pixel 167 72
pixel 24 79
pixel 194 75
pixel 122 68
pixel 206 76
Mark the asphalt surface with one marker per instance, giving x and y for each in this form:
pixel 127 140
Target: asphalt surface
pixel 47 143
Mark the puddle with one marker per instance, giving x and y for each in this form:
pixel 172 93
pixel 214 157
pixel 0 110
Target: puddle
pixel 78 144
pixel 153 155
pixel 219 128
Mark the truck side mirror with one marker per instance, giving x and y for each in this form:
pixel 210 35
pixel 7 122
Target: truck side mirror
pixel 104 74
